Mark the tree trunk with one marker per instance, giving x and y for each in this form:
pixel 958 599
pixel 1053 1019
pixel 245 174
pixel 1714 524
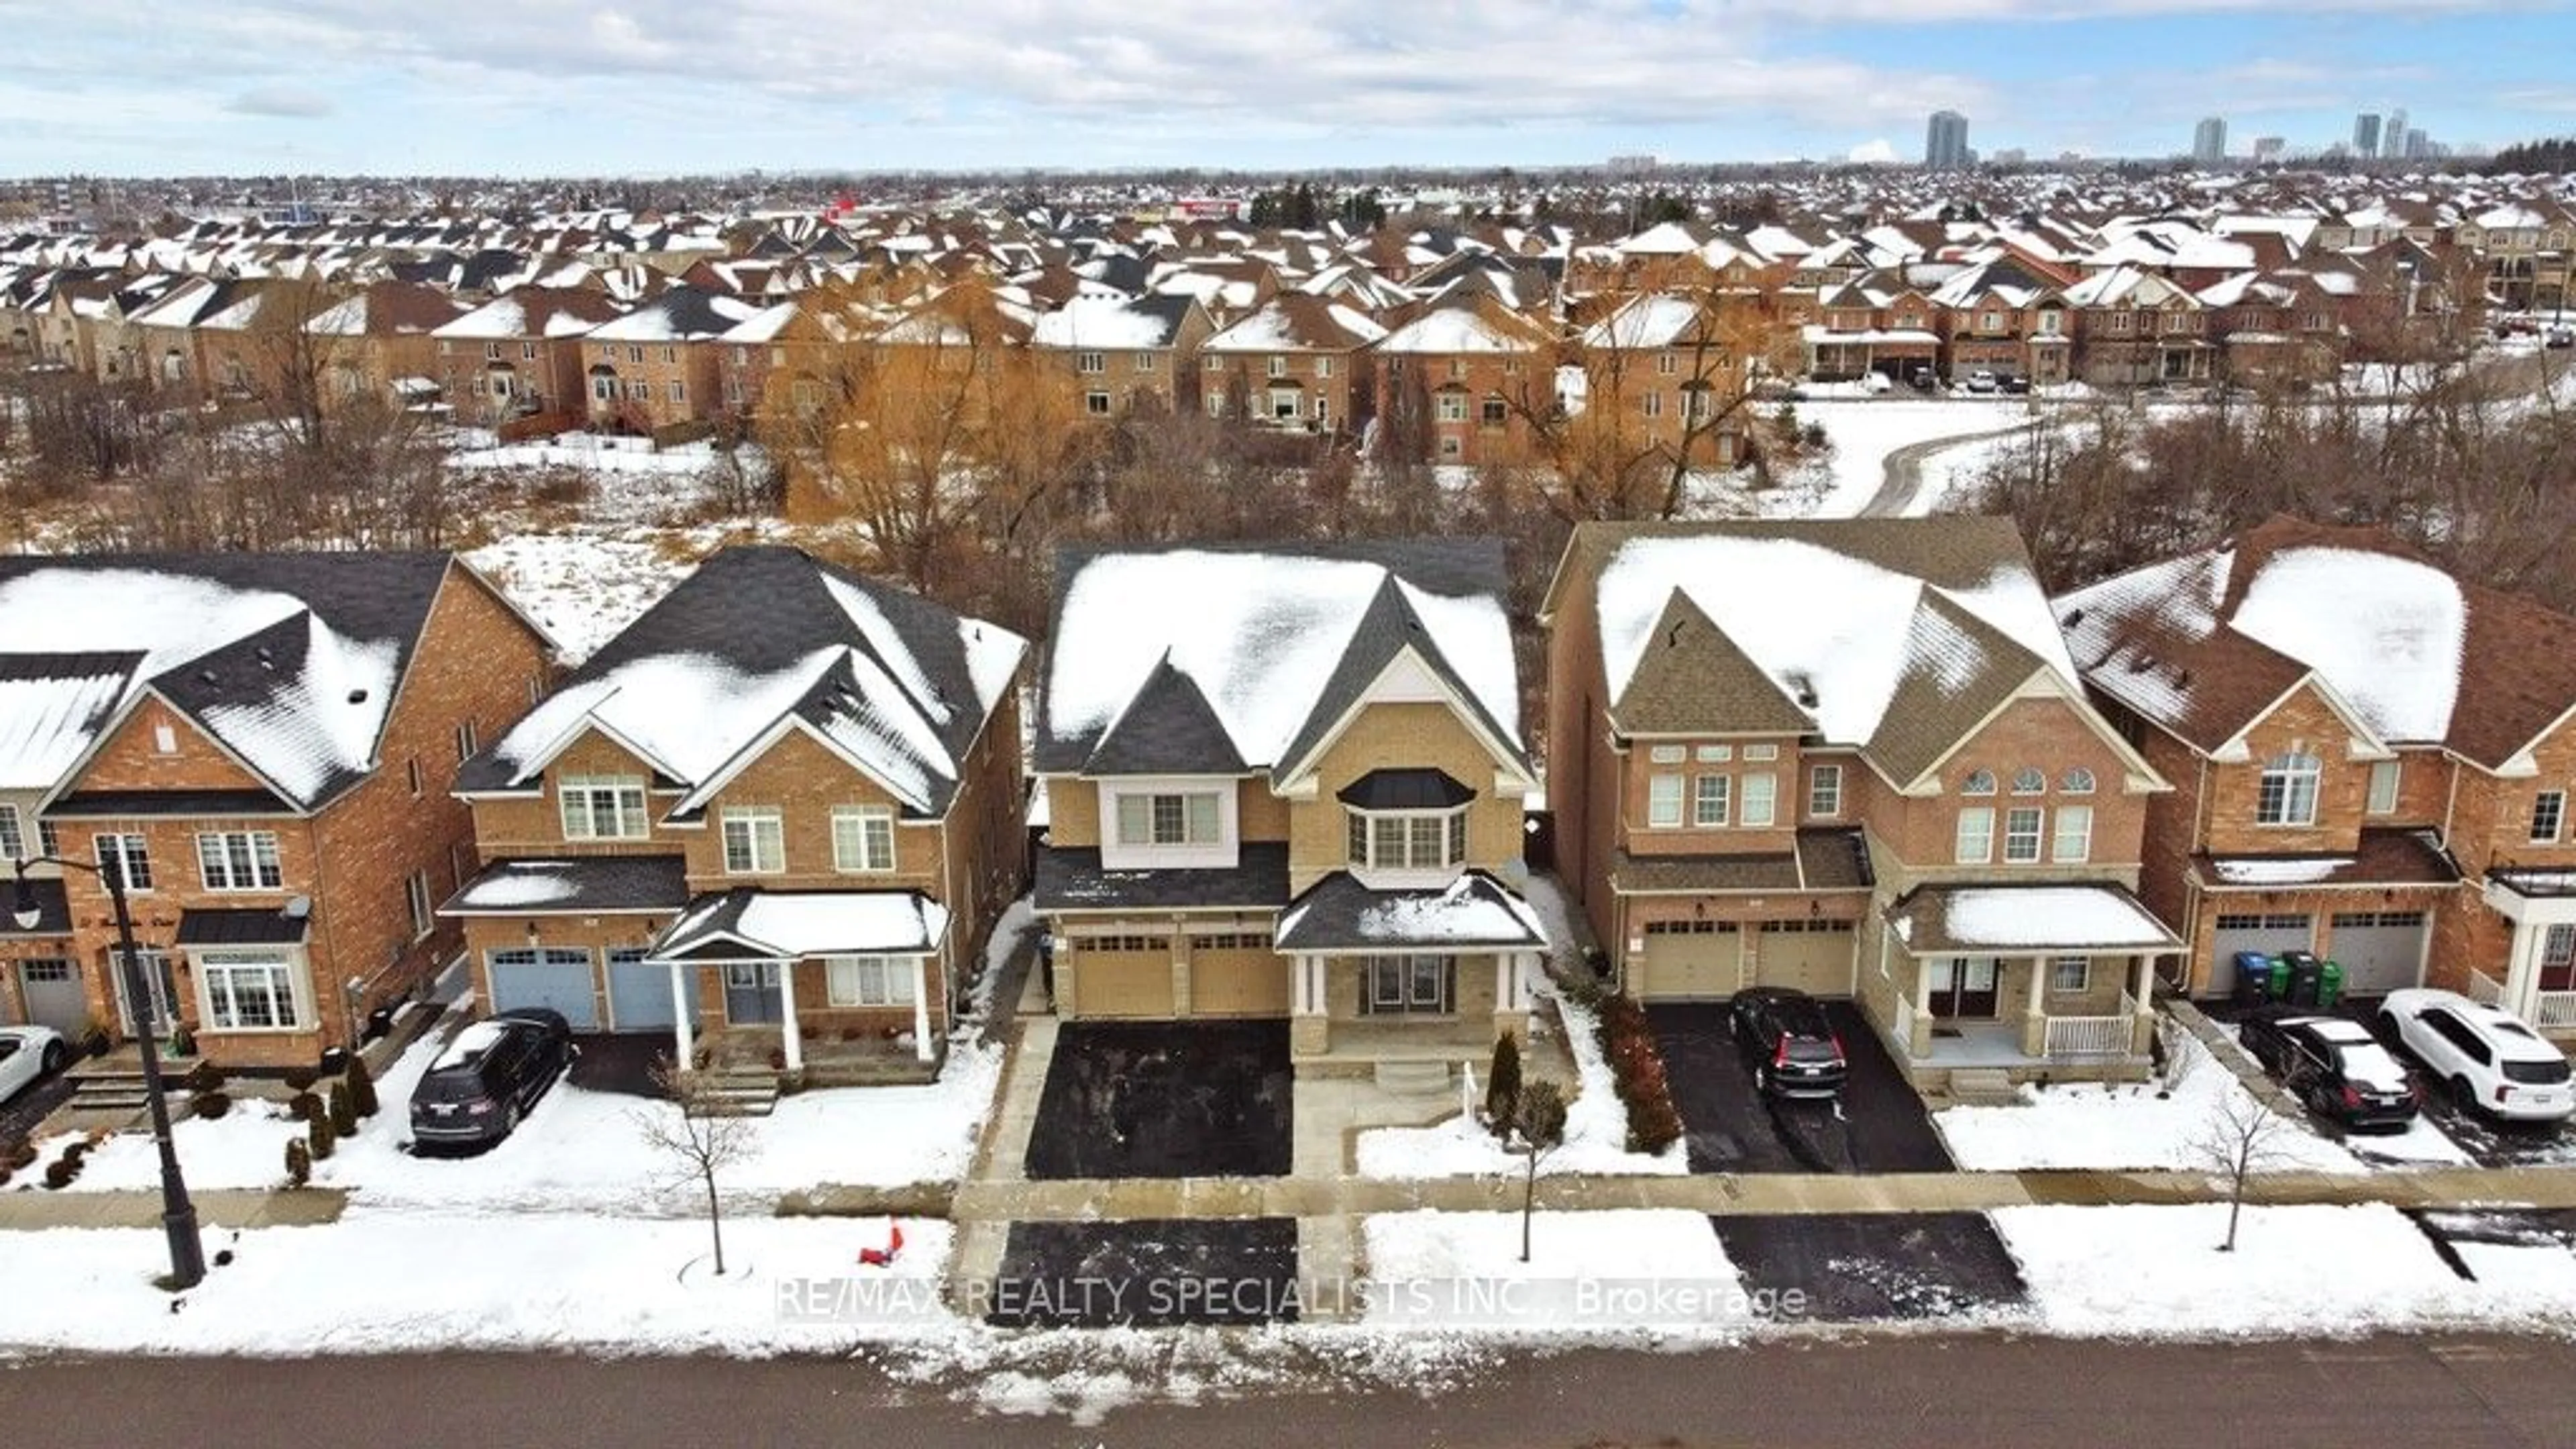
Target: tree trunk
pixel 715 1221
pixel 2235 1205
pixel 1529 1202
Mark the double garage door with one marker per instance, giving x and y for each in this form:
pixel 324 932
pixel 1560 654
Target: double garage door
pixel 1705 960
pixel 2380 951
pixel 565 980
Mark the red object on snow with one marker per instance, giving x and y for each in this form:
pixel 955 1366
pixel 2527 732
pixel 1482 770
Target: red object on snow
pixel 884 1257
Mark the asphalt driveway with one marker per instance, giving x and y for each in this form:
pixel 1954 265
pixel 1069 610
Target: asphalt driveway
pixel 1875 1266
pixel 1879 1125
pixel 1231 1272
pixel 1165 1099
pixel 620 1062
pixel 22 1114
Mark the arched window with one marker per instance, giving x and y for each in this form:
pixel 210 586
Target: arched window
pixel 2078 781
pixel 2029 781
pixel 1981 782
pixel 2289 791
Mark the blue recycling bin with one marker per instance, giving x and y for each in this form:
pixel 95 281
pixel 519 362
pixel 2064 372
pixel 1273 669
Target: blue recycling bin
pixel 2253 978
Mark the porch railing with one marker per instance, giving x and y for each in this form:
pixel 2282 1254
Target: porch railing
pixel 2094 1036
pixel 2485 990
pixel 2554 1011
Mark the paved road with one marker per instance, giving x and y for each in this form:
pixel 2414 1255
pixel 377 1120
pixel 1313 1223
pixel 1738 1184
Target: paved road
pixel 1997 1393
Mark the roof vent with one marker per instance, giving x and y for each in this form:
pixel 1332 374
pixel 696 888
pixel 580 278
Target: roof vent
pixel 205 676
pixel 2073 618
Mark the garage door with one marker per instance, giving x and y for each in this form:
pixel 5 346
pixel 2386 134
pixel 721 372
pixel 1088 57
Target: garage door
pixel 1689 961
pixel 639 994
pixel 54 995
pixel 1812 956
pixel 1237 976
pixel 2269 934
pixel 1131 979
pixel 552 977
pixel 2380 951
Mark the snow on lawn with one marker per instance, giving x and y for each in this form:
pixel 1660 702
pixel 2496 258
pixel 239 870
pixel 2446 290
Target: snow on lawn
pixel 1587 1270
pixel 244 1148
pixel 581 588
pixel 2121 1128
pixel 1863 434
pixel 1596 1121
pixel 2296 1271
pixel 362 1285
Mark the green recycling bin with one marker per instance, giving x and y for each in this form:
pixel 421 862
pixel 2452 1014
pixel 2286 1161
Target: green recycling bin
pixel 2280 979
pixel 2330 984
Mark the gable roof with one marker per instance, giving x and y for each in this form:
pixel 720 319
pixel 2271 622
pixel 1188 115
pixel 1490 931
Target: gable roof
pixel 1692 678
pixel 1277 643
pixel 289 661
pixel 759 641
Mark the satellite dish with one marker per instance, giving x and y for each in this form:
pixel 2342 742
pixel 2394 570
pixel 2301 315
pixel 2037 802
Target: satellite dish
pixel 298 907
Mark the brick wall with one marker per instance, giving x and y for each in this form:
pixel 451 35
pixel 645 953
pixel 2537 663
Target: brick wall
pixel 1400 736
pixel 2303 722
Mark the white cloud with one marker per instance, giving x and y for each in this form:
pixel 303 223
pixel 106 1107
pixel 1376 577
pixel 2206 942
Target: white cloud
pixel 1874 153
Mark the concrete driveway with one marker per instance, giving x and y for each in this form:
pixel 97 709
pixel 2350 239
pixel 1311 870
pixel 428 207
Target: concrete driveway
pixel 1879 1125
pixel 1165 1099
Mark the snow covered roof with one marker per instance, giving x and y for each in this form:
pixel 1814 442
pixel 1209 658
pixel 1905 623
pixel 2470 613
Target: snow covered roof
pixel 1298 322
pixel 748 924
pixel 2027 920
pixel 1484 326
pixel 290 661
pixel 1473 912
pixel 1119 325
pixel 1274 645
pixel 761 640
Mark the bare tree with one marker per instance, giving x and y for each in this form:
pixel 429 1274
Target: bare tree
pixel 1538 1129
pixel 2242 1137
pixel 698 1140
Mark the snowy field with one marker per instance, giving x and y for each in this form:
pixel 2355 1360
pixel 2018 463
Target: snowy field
pixel 1863 434
pixel 2296 1271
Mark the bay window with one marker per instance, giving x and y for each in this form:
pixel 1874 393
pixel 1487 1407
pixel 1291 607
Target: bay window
pixel 247 990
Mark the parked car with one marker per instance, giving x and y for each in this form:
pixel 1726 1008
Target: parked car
pixel 1792 1046
pixel 28 1054
pixel 2490 1060
pixel 2016 384
pixel 1875 383
pixel 2335 1066
pixel 2559 337
pixel 1982 380
pixel 477 1090
pixel 1921 379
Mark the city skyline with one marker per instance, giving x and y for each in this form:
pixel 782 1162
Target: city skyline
pixel 650 87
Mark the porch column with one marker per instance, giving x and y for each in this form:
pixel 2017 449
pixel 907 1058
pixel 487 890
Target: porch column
pixel 2034 1021
pixel 793 1045
pixel 1309 1034
pixel 921 1011
pixel 1511 996
pixel 1922 1038
pixel 2142 1032
pixel 684 1015
pixel 2521 965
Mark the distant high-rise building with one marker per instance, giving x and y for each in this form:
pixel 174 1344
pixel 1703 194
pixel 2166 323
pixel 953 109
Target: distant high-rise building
pixel 2209 141
pixel 2418 145
pixel 1945 142
pixel 2365 134
pixel 2270 148
pixel 2392 137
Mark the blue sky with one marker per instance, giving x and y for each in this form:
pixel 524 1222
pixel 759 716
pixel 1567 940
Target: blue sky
pixel 539 87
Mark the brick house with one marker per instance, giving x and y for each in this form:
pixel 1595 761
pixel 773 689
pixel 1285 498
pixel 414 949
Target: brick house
pixel 1674 369
pixel 1301 361
pixel 1876 322
pixel 2139 329
pixel 1851 758
pixel 1116 355
pixel 787 796
pixel 379 343
pixel 2372 761
pixel 2005 317
pixel 1300 798
pixel 263 743
pixel 519 355
pixel 660 365
pixel 1456 385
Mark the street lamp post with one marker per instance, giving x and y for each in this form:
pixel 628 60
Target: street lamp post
pixel 178 1213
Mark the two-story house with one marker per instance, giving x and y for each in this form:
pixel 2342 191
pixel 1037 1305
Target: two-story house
pixel 378 344
pixel 1301 361
pixel 2372 761
pixel 1458 384
pixel 519 355
pixel 660 365
pixel 1120 354
pixel 1668 373
pixel 778 813
pixel 1851 758
pixel 1288 784
pixel 2005 316
pixel 260 744
pixel 2139 329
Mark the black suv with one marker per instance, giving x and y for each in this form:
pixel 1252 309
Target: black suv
pixel 2335 1066
pixel 474 1094
pixel 1791 1045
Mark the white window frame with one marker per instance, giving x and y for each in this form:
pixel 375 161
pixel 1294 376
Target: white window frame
pixel 1090 363
pixel 2030 780
pixel 424 917
pixel 753 827
pixel 1976 827
pixel 2553 805
pixel 1663 802
pixel 2071 841
pixel 874 980
pixel 1761 752
pixel 2058 966
pixel 2076 781
pixel 625 796
pixel 1123 846
pixel 2302 778
pixel 1710 807
pixel 219 998
pixel 1760 797
pixel 1825 792
pixel 2386 776
pixel 1672 754
pixel 13 834
pixel 254 867
pixel 2016 852
pixel 1387 842
pixel 863 839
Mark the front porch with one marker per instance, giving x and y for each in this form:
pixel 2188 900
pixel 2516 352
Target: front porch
pixel 825 1057
pixel 2539 981
pixel 1430 976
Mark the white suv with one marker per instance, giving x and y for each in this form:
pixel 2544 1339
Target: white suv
pixel 2489 1059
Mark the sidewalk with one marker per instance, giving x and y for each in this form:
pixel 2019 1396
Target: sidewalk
pixel 221 1208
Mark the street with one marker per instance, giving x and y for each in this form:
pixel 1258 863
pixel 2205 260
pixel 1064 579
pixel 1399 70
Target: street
pixel 1997 1392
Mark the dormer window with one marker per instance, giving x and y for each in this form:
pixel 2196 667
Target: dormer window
pixel 1181 817
pixel 1407 821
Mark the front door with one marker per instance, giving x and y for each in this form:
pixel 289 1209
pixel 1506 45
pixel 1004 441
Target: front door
pixel 156 975
pixel 1963 986
pixel 2557 959
pixel 752 995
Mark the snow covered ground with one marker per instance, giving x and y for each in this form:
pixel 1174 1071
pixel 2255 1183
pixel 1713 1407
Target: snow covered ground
pixel 1598 1273
pixel 404 1282
pixel 2121 1128
pixel 2298 1271
pixel 1863 434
